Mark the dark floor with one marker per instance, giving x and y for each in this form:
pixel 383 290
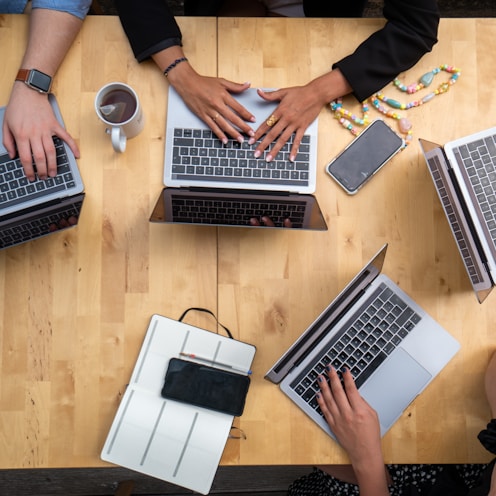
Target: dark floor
pixel 229 481
pixel 448 8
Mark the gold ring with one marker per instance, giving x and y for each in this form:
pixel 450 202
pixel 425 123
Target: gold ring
pixel 216 117
pixel 271 120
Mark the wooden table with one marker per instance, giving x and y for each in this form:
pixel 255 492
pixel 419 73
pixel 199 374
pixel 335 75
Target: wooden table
pixel 74 306
pixel 272 285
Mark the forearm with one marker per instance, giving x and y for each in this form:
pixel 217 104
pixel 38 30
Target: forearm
pixel 330 86
pixel 371 477
pixel 410 32
pixel 492 490
pixel 51 34
pixel 180 74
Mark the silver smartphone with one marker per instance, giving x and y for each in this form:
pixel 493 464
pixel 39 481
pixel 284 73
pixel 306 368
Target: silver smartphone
pixel 364 156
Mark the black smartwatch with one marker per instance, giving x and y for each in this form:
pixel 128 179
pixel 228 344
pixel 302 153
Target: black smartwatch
pixel 35 79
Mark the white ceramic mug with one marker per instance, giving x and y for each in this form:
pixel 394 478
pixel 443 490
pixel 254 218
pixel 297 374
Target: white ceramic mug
pixel 118 107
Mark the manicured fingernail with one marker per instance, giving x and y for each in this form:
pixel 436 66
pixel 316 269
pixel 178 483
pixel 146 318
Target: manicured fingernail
pixel 251 141
pixel 292 158
pixel 269 158
pixel 257 153
pixel 240 139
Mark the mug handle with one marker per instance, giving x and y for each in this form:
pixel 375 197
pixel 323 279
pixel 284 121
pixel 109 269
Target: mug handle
pixel 118 139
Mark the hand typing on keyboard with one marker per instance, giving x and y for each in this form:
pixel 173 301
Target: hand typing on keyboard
pixel 212 100
pixel 297 108
pixel 356 426
pixel 268 222
pixel 28 127
pixel 63 223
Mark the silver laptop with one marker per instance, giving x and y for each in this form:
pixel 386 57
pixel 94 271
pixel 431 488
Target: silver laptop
pixel 238 208
pixel 194 157
pixel 393 348
pixel 464 175
pixel 29 210
pixel 209 183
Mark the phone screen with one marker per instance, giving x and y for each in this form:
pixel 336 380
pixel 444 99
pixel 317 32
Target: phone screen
pixel 204 386
pixel 364 156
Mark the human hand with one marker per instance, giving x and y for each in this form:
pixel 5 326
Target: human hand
pixel 28 126
pixel 211 100
pixel 298 107
pixel 63 223
pixel 352 420
pixel 265 220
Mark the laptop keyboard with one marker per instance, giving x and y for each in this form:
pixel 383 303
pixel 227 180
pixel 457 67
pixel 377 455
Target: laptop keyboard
pixel 15 187
pixel 32 228
pixel 377 328
pixel 199 155
pixel 236 212
pixel 454 220
pixel 479 160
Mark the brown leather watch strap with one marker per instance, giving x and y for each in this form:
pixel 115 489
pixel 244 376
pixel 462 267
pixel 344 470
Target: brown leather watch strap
pixel 22 75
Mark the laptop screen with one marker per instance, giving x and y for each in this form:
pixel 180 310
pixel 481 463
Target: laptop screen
pixel 34 222
pixel 328 318
pixel 216 207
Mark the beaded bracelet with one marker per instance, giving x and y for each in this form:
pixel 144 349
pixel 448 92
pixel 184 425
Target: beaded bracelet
pixel 177 61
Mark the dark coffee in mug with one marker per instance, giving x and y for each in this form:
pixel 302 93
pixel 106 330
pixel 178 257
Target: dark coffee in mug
pixel 118 106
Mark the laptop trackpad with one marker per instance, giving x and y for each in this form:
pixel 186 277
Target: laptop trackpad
pixel 393 386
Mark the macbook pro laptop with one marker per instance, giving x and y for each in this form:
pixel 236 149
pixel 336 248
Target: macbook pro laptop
pixel 392 347
pixel 31 209
pixel 464 175
pixel 210 183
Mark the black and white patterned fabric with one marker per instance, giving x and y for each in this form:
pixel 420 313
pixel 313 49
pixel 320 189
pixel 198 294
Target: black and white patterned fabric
pixel 407 480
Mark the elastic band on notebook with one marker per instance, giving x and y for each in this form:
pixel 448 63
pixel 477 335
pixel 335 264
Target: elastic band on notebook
pixel 199 309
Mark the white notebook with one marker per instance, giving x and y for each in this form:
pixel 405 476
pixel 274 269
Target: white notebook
pixel 175 442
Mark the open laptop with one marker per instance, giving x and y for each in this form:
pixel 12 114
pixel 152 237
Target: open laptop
pixel 29 210
pixel 225 185
pixel 392 347
pixel 464 175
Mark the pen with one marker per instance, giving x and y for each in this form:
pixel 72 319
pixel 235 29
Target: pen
pixel 214 362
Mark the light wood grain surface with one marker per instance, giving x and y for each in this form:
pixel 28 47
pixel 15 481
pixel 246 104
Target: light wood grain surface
pixel 272 285
pixel 74 306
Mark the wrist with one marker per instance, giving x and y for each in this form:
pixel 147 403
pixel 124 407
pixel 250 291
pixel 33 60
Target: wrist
pixel 22 90
pixel 331 86
pixel 35 80
pixel 172 65
pixel 372 463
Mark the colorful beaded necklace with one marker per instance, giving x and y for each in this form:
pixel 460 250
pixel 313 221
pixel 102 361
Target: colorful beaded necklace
pixel 347 118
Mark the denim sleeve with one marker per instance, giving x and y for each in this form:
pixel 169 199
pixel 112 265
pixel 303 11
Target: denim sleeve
pixel 78 8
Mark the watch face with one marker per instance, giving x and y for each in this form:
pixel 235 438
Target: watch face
pixel 39 81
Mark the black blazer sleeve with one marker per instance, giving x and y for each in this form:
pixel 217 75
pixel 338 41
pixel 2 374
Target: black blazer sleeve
pixel 149 25
pixel 409 33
